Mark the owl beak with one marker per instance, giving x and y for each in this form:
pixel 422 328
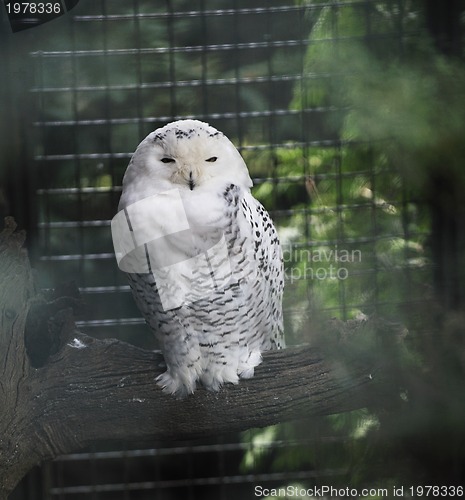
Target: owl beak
pixel 191 181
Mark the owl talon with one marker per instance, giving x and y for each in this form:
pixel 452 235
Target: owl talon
pixel 173 385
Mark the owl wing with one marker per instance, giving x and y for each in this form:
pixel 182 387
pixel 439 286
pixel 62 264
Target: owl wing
pixel 266 288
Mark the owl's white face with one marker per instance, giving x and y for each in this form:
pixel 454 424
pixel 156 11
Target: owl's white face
pixel 187 155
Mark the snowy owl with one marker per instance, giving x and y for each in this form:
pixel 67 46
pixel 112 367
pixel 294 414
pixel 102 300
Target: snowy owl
pixel 202 256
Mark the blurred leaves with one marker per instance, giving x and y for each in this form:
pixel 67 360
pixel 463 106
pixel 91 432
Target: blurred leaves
pixel 397 107
pixel 377 118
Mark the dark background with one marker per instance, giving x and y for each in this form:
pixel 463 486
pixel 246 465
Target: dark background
pixel 350 117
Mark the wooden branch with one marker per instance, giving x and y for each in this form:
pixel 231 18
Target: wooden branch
pixel 79 390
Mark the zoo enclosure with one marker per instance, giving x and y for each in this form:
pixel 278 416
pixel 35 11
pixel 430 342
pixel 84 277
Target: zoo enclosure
pixel 353 234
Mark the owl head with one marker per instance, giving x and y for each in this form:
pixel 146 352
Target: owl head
pixel 189 155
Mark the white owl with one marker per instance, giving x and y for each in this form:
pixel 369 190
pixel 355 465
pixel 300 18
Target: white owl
pixel 202 255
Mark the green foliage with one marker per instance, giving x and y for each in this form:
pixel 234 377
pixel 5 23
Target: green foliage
pixel 343 227
pixel 377 116
pixel 411 432
pixel 400 121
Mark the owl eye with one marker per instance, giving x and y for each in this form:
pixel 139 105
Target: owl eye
pixel 167 160
pixel 212 159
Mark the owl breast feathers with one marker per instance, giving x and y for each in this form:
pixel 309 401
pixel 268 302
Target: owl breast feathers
pixel 202 256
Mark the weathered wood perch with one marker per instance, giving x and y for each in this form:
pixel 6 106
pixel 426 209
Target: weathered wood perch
pixel 79 390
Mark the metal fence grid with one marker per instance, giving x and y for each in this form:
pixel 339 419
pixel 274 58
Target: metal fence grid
pixel 119 69
pixel 100 95
pixel 107 112
pixel 207 470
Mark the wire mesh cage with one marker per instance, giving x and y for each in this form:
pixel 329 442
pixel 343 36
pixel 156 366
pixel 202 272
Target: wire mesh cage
pixel 289 83
pixel 128 69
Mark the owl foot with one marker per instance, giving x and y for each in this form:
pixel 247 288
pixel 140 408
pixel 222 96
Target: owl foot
pixel 176 385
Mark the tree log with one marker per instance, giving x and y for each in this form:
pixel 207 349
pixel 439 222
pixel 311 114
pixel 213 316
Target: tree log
pixel 85 390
